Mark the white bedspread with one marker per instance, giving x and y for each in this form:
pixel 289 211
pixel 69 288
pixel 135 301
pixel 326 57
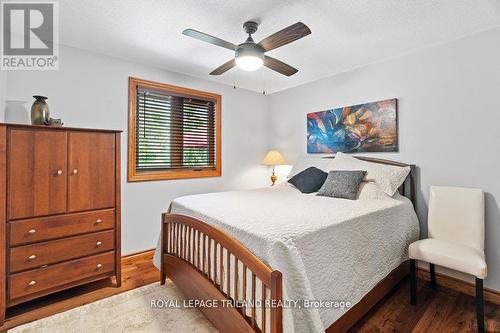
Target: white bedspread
pixel 327 249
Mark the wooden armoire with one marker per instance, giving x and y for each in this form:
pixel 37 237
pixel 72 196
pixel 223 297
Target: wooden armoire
pixel 59 210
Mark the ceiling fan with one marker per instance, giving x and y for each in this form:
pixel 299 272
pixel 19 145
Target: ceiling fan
pixel 249 55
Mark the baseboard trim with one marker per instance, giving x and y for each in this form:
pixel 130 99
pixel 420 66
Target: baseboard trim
pixel 138 257
pixel 459 285
pixel 139 253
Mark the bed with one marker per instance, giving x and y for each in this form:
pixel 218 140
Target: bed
pixel 318 263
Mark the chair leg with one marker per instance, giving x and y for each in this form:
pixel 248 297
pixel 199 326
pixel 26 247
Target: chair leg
pixel 413 282
pixel 480 305
pixel 433 276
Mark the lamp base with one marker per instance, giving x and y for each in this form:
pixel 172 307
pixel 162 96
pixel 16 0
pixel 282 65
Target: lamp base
pixel 274 178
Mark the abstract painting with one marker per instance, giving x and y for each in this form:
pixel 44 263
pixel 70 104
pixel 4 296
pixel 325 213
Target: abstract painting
pixel 369 127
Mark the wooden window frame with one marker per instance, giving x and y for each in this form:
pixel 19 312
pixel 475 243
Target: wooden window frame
pixel 133 174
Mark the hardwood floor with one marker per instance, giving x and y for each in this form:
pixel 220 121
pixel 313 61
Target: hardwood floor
pixel 137 271
pixel 441 310
pixel 444 310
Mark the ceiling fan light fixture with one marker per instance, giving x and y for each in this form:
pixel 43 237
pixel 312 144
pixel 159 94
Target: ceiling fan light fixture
pixel 249 57
pixel 249 63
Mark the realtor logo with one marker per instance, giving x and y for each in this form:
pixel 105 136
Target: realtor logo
pixel 30 35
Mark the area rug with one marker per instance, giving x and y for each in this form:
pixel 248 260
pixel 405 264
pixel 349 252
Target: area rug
pixel 127 312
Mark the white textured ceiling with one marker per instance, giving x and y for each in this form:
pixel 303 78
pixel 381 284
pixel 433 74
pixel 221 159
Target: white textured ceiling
pixel 345 33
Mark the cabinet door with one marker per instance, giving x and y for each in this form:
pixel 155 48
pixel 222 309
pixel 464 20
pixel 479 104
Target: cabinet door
pixel 37 173
pixel 91 171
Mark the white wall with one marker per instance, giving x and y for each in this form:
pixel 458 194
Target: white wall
pixel 448 123
pixel 3 90
pixel 449 116
pixel 91 90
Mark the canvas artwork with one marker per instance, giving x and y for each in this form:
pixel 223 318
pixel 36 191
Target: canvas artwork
pixel 369 127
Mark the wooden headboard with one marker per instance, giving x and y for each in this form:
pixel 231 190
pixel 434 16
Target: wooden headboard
pixel 408 188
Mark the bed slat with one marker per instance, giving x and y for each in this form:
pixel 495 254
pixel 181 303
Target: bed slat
pixel 199 251
pixel 263 309
pixel 189 244
pixel 244 295
pixel 203 253
pixel 253 300
pixel 184 243
pixel 179 236
pixel 236 282
pixel 209 254
pixel 215 263
pixel 228 273
pixel 221 267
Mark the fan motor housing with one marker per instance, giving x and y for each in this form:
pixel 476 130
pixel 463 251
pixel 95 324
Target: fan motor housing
pixel 250 27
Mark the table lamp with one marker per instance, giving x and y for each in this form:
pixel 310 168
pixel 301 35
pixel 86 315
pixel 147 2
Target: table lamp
pixel 274 158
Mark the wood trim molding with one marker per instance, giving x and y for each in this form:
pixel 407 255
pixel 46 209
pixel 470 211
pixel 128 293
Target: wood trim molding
pixel 139 254
pixel 118 210
pixel 60 128
pixel 133 175
pixel 459 285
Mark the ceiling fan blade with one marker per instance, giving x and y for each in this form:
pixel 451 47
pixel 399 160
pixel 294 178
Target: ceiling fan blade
pixel 285 36
pixel 224 67
pixel 279 66
pixel 209 39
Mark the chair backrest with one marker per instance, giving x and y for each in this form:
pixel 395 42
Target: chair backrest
pixel 456 214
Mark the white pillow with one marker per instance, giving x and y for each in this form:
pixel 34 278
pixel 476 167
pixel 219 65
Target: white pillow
pixel 388 177
pixel 304 162
pixel 371 191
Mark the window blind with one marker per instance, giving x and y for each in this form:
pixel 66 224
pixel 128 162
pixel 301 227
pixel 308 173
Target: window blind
pixel 174 131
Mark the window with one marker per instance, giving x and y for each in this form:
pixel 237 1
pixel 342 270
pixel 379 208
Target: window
pixel 174 132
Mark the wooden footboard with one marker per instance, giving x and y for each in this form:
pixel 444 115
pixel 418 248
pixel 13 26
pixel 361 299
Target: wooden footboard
pixel 208 265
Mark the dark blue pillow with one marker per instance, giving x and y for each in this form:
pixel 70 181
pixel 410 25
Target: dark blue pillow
pixel 309 180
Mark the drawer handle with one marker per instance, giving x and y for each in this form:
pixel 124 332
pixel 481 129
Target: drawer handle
pixel 75 171
pixel 98 243
pixel 59 172
pixel 98 266
pixel 32 231
pixel 32 283
pixel 98 221
pixel 32 257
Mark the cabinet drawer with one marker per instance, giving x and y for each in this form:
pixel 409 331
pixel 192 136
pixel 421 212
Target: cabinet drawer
pixel 56 276
pixel 40 229
pixel 39 254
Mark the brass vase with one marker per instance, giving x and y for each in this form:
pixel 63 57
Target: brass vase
pixel 40 114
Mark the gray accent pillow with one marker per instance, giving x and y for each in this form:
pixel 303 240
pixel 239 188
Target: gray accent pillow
pixel 342 184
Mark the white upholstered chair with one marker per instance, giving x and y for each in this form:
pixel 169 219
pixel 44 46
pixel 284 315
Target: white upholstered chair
pixel 456 239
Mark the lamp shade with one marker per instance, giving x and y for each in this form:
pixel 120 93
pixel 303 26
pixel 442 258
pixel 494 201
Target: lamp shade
pixel 274 158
